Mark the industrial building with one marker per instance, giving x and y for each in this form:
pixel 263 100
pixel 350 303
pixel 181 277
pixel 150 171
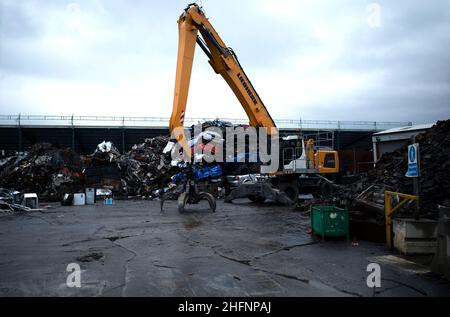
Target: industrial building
pixel 393 139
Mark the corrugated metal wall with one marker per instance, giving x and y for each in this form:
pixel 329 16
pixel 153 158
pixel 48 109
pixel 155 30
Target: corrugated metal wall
pixel 85 139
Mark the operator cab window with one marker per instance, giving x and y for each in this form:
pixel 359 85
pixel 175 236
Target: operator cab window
pixel 298 152
pixel 288 155
pixel 328 161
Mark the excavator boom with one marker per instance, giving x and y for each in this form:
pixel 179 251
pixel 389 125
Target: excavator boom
pixel 224 62
pixel 194 28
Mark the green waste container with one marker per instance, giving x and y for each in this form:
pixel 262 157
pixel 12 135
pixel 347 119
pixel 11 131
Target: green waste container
pixel 329 221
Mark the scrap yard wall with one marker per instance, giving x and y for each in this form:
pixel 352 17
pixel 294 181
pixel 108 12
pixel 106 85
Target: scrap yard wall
pixel 18 132
pixel 82 139
pixel 85 139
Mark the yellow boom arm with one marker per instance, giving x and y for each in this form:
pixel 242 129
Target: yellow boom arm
pixel 223 61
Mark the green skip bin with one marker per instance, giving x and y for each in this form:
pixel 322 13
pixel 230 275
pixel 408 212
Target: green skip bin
pixel 329 221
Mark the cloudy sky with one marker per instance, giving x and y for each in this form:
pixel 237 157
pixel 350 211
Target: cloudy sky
pixel 331 60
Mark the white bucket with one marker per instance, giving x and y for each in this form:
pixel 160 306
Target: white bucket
pixel 79 199
pixel 90 196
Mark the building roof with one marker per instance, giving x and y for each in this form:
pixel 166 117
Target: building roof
pixel 416 127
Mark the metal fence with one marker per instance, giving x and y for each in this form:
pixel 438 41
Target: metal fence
pixel 142 122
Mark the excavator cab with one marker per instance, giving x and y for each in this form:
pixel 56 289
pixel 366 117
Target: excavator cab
pixel 327 161
pixel 293 154
pixel 296 157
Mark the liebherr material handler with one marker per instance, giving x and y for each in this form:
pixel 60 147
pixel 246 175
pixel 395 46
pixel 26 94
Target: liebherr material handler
pixel 298 159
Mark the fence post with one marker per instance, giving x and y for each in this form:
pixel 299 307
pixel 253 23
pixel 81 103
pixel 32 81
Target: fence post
pixel 123 135
pixel 73 133
pixel 19 133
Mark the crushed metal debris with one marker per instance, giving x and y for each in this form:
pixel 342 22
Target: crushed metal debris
pixel 365 193
pixel 146 172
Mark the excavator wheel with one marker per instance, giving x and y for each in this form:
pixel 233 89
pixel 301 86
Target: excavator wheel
pixel 257 199
pixel 291 190
pixel 326 189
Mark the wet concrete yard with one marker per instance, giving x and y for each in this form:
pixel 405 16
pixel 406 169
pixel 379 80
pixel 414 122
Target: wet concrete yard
pixel 244 249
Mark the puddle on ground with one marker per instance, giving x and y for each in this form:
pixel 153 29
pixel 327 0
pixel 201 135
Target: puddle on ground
pixel 90 257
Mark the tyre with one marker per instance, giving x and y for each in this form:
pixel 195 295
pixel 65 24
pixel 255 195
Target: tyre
pixel 326 189
pixel 291 190
pixel 257 199
pixel 227 190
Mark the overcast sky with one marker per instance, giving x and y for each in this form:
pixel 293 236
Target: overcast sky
pixel 330 60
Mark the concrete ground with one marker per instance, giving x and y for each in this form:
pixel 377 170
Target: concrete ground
pixel 244 249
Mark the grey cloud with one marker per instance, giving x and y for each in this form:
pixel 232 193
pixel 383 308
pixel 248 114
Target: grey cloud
pixel 408 54
pixel 17 21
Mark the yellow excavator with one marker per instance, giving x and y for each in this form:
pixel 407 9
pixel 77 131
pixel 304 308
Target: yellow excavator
pixel 296 157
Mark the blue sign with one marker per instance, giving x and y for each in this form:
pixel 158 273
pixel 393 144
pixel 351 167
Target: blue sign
pixel 413 162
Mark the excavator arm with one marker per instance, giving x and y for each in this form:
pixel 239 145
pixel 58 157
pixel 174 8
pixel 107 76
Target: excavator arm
pixel 224 62
pixel 194 27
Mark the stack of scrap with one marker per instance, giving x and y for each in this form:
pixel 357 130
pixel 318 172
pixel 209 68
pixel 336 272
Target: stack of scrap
pixel 210 142
pixel 216 123
pixel 52 172
pixel 102 167
pixel 145 168
pixel 10 201
pixel 45 169
pixel 105 152
pixel 389 174
pixel 136 173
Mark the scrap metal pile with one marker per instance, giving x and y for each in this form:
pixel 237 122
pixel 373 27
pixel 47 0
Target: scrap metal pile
pixel 145 168
pixel 11 201
pixel 213 141
pixel 51 172
pixel 45 169
pixel 367 192
pixel 144 171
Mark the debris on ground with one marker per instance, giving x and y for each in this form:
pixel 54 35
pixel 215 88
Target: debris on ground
pixel 259 192
pixel 44 169
pixel 366 192
pixel 106 151
pixel 146 168
pixel 12 200
pixel 146 171
pixel 53 172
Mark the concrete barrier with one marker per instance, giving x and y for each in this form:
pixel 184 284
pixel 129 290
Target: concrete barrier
pixel 415 236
